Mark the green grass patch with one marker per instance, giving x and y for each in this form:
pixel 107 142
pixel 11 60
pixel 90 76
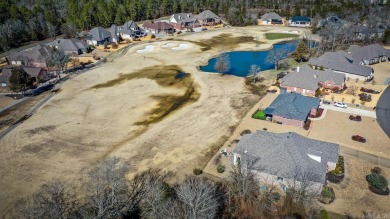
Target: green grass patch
pixel 278 36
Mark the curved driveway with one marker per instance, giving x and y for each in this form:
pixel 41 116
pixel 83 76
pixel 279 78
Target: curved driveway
pixel 383 111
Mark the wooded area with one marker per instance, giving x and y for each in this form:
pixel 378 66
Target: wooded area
pixel 33 20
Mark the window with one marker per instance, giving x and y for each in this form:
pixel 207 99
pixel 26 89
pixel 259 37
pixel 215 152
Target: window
pixel 4 84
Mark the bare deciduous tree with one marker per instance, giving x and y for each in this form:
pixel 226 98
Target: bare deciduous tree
pixel 58 59
pixel 274 56
pixel 198 198
pixel 254 71
pixel 223 63
pixel 54 200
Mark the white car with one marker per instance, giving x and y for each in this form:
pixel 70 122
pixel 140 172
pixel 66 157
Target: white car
pixel 340 104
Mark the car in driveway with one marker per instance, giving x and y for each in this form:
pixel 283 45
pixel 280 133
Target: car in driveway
pixel 340 104
pixel 359 138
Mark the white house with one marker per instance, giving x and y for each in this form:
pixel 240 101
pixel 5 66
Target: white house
pixel 299 21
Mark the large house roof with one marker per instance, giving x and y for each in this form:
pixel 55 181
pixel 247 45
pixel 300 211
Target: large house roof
pixel 98 34
pixel 300 18
pixel 207 14
pixel 7 72
pixel 368 52
pixel 184 17
pixel 158 25
pixel 68 44
pixel 39 53
pixel 308 78
pixel 341 61
pixel 292 106
pixel 129 28
pixel 270 16
pixel 288 154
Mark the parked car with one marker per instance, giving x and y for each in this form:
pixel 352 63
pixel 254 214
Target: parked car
pixel 281 75
pixel 272 91
pixel 327 102
pixel 340 104
pixel 367 90
pixel 355 118
pixel 359 138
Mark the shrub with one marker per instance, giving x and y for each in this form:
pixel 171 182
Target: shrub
pixel 220 168
pixel 376 170
pixel 114 46
pixel 153 36
pixel 327 192
pixel 265 129
pixel 197 171
pixel 318 93
pixel 324 214
pixel 246 131
pixel 377 180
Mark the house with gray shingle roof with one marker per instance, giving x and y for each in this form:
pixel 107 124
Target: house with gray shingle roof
pixel 284 158
pixel 292 109
pixel 343 63
pixel 270 18
pixel 36 56
pixel 307 81
pixel 99 36
pixel 208 18
pixel 130 30
pixel 36 74
pixel 368 55
pixel 69 46
pixel 184 21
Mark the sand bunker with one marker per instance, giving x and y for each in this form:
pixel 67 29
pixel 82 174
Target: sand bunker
pixel 288 31
pixel 182 46
pixel 168 45
pixel 146 50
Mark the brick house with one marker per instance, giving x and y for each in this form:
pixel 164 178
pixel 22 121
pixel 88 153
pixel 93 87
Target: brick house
pixel 292 109
pixel 36 56
pixel 307 80
pixel 286 159
pixel 184 21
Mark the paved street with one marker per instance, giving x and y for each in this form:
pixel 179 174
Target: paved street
pixel 383 111
pixel 350 110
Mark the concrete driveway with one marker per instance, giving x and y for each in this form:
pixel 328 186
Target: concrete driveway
pixel 383 111
pixel 350 110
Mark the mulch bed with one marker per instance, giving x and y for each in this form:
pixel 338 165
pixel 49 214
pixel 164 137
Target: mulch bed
pixel 336 178
pixel 378 191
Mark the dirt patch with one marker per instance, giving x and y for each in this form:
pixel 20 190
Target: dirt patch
pixel 225 40
pixel 40 129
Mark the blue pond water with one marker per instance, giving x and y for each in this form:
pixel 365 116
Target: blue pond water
pixel 241 61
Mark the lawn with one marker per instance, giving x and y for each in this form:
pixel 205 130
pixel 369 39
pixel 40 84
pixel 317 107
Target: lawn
pixel 277 36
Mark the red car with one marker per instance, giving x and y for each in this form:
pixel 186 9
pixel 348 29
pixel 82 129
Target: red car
pixel 359 138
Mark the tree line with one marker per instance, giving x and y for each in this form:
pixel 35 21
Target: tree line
pixel 24 21
pixel 107 193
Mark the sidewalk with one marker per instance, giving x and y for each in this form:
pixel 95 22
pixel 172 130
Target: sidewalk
pixel 350 110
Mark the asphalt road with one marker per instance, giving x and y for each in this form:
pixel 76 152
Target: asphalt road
pixel 383 111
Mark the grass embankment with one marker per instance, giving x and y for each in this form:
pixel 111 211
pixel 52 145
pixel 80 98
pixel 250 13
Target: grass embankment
pixel 225 40
pixel 165 76
pixel 278 36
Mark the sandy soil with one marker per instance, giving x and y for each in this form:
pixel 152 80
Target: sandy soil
pixel 5 101
pixel 80 125
pixel 356 196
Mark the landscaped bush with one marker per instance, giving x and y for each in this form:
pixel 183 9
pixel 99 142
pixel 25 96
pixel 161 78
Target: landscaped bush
pixel 327 195
pixel 376 170
pixel 307 124
pixel 246 131
pixel 220 168
pixel 114 45
pixel 337 175
pixel 197 171
pixel 378 181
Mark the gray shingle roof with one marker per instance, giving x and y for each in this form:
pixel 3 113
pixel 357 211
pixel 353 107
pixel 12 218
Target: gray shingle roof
pixel 98 34
pixel 7 72
pixel 368 52
pixel 37 53
pixel 270 16
pixel 341 61
pixel 184 17
pixel 308 78
pixel 129 28
pixel 292 106
pixel 286 154
pixel 207 14
pixel 68 45
pixel 4 76
pixel 158 25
